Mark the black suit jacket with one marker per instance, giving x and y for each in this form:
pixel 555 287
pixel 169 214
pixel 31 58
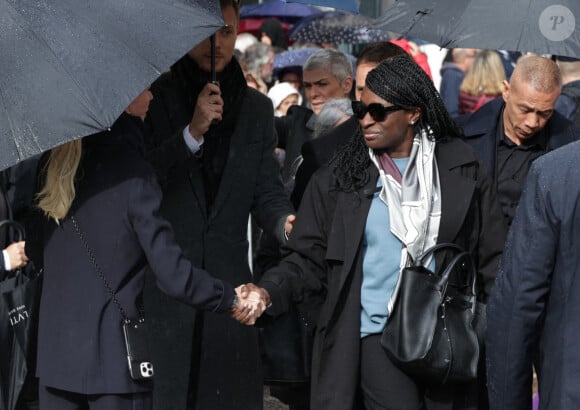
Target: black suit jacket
pixel 533 311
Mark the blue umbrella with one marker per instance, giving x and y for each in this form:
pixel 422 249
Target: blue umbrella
pixel 348 5
pixel 287 12
pixel 297 57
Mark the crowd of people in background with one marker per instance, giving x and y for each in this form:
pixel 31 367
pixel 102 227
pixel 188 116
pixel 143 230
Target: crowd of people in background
pixel 325 170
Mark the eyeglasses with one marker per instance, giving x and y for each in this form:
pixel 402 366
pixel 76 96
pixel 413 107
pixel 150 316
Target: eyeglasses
pixel 378 112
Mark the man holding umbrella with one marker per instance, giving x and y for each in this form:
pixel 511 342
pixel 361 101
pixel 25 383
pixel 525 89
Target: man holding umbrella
pixel 213 147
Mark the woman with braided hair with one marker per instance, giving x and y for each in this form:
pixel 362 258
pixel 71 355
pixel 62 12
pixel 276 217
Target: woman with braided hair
pixel 403 183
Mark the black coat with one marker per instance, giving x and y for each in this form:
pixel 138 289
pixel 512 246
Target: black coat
pixel 80 338
pixel 4 214
pixel 293 131
pixel 480 132
pixel 318 152
pixel 230 374
pixel 534 309
pixel 325 261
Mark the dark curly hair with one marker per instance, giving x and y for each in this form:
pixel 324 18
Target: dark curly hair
pixel 402 82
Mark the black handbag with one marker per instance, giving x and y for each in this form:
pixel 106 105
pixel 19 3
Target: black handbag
pixel 431 332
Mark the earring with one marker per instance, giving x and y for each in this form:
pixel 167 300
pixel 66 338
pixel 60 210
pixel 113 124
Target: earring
pixel 412 123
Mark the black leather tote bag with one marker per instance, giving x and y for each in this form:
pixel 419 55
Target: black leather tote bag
pixel 431 333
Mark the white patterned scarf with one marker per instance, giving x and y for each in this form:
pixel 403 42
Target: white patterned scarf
pixel 415 202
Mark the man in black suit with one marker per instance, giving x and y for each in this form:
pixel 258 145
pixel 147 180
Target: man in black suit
pixel 509 134
pixel 533 319
pixel 213 148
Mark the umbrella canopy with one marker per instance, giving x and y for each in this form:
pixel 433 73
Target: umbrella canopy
pixel 337 27
pixel 348 5
pixel 287 12
pixel 541 26
pixel 70 67
pixel 297 57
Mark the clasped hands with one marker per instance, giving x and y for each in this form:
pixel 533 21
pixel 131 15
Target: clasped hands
pixel 252 302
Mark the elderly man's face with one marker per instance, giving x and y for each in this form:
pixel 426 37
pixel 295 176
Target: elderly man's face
pixel 266 70
pixel 527 110
pixel 225 41
pixel 321 86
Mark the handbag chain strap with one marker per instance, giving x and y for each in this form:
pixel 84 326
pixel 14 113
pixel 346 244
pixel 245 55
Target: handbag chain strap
pixel 101 274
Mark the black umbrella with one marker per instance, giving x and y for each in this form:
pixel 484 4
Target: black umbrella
pixel 337 27
pixel 70 67
pixel 19 299
pixel 541 26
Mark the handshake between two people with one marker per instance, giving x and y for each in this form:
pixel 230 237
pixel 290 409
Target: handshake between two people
pixel 252 301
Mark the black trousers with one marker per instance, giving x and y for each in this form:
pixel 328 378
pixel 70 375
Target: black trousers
pixel 55 399
pixel 385 387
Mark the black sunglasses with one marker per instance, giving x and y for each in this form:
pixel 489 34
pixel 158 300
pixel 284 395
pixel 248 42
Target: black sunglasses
pixel 377 111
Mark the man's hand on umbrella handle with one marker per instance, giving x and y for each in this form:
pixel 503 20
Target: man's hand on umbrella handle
pixel 18 258
pixel 209 107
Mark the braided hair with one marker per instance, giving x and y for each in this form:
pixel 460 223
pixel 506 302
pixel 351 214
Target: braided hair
pixel 402 82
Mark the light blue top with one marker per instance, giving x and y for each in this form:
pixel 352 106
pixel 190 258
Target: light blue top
pixel 381 260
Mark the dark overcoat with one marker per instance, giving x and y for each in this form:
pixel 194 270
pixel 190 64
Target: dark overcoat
pixel 80 337
pixel 318 152
pixel 228 371
pixel 3 232
pixel 293 130
pixel 480 132
pixel 326 258
pixel 534 308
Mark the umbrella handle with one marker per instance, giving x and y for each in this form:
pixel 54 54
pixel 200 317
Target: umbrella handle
pixel 20 233
pixel 212 59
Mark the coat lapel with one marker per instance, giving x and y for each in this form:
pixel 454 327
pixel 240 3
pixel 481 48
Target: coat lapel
pixel 456 190
pixel 355 209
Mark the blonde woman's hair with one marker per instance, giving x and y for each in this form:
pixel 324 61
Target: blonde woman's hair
pixel 58 193
pixel 486 75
